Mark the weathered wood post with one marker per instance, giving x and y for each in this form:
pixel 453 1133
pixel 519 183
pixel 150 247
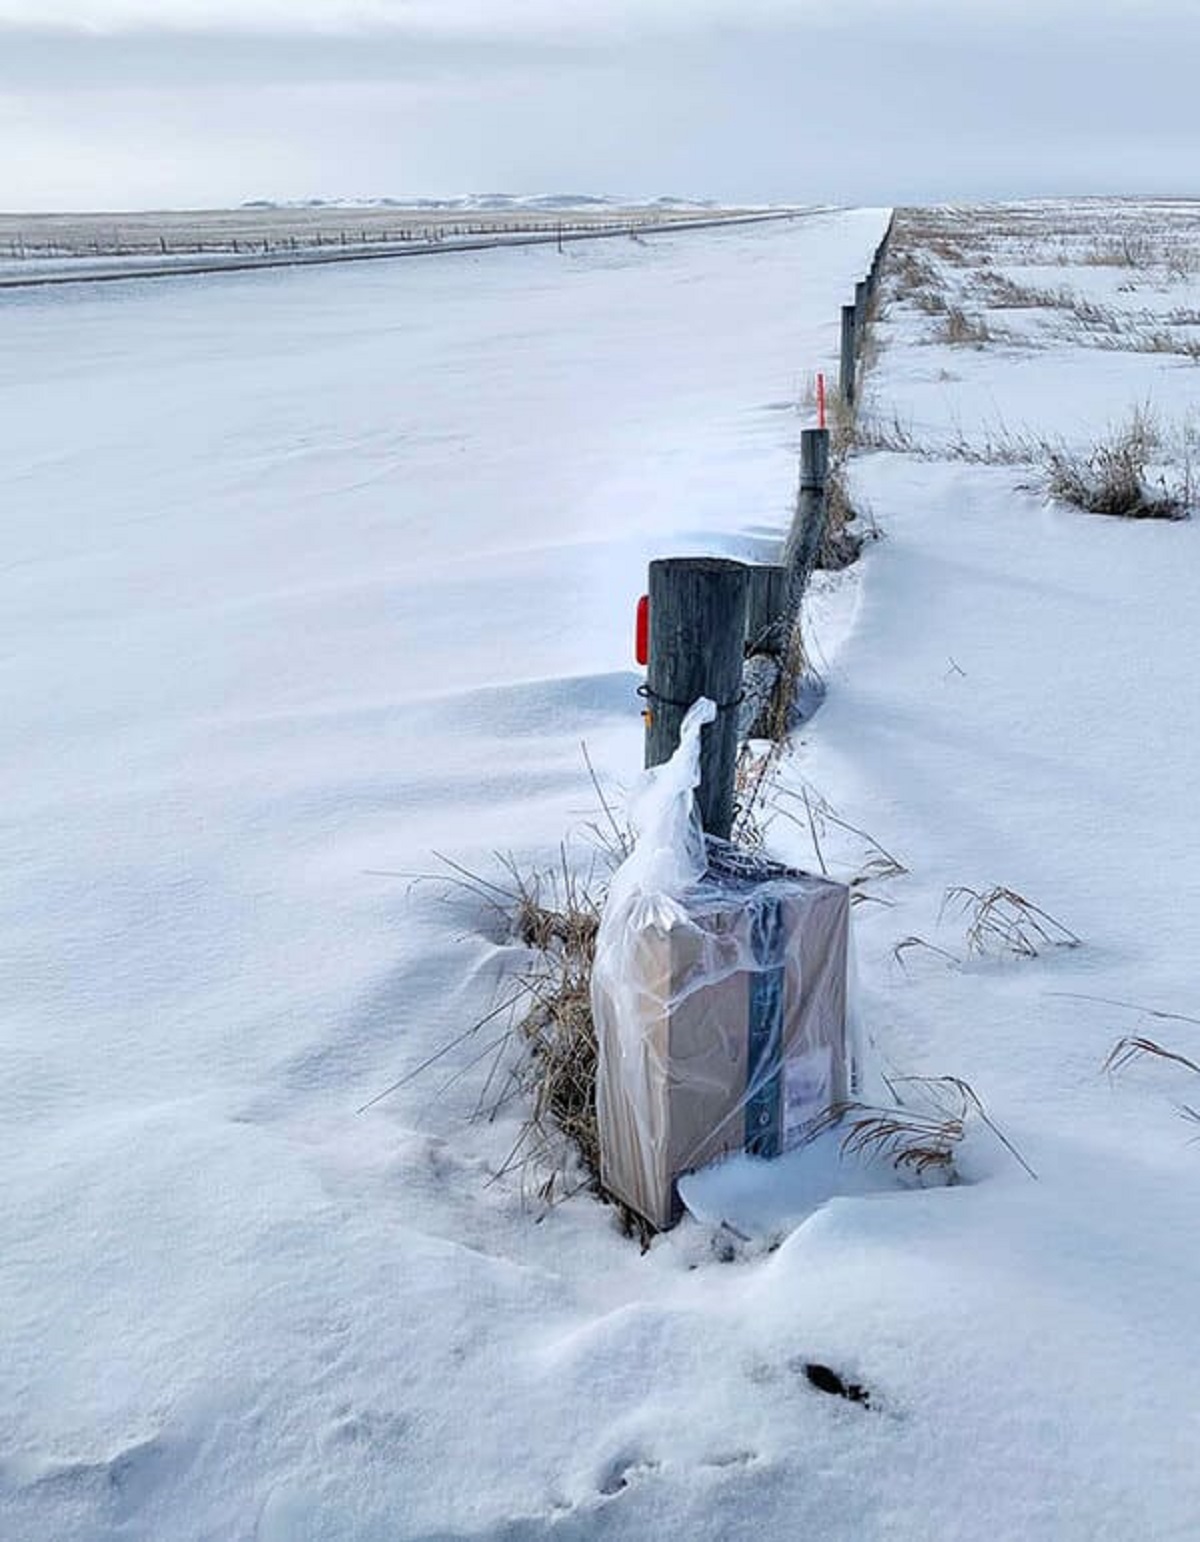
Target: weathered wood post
pixel 771 677
pixel 849 341
pixel 766 608
pixel 768 625
pixel 862 299
pixel 808 527
pixel 771 683
pixel 697 636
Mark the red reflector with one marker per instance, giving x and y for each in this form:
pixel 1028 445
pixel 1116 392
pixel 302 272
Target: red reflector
pixel 641 647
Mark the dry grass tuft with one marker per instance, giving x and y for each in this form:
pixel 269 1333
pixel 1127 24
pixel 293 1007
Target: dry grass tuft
pixel 921 1133
pixel 1111 477
pixel 961 330
pixel 782 711
pixel 843 430
pixel 1157 340
pixel 916 281
pixel 892 435
pixel 1003 921
pixel 1093 317
pixel 847 530
pixel 943 233
pixel 909 1140
pixel 1127 249
pixel 912 276
pixel 907 944
pixel 545 1051
pixel 931 302
pixel 1003 293
pixel 557 1074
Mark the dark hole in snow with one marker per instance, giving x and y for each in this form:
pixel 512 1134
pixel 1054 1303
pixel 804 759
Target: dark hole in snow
pixel 827 1380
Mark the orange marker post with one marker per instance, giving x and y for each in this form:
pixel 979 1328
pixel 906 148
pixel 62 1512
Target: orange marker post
pixel 820 401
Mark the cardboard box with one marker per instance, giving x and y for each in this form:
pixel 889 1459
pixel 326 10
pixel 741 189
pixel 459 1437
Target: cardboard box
pixel 732 1034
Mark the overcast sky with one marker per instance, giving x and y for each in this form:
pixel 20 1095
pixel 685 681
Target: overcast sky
pixel 175 103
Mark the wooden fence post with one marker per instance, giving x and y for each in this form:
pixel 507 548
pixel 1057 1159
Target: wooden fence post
pixel 862 299
pixel 808 528
pixel 768 628
pixel 697 637
pixel 766 609
pixel 846 376
pixel 770 675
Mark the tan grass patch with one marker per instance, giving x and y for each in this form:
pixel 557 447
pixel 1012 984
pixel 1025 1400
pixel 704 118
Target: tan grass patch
pixel 1111 477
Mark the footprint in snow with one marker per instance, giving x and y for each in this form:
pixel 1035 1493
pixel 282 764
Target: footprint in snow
pixel 616 1475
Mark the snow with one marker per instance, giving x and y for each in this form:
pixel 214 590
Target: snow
pixel 1014 704
pixel 312 575
pixel 309 575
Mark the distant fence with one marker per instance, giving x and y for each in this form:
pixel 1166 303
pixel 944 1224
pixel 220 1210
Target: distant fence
pixel 724 629
pixel 149 243
pixel 161 259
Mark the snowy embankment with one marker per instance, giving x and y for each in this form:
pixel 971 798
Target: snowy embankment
pixel 307 575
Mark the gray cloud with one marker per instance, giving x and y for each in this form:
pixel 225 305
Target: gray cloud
pixel 787 102
pixel 442 18
pixel 580 19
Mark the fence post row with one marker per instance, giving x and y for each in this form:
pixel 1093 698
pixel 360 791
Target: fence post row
pixel 856 316
pixel 721 629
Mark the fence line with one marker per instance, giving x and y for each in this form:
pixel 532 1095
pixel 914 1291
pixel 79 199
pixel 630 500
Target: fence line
pixel 240 256
pixel 702 614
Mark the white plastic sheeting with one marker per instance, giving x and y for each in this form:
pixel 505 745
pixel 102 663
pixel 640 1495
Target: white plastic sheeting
pixel 719 994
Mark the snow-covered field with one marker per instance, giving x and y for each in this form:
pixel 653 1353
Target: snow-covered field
pixel 310 575
pixel 1016 705
pixel 306 576
pixel 321 221
pixel 80 247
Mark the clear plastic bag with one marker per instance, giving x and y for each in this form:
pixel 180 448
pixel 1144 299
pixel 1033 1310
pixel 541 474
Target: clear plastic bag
pixel 719 996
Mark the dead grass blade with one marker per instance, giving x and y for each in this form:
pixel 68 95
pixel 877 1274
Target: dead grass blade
pixel 906 944
pixel 1128 1006
pixel 877 865
pixel 619 842
pixel 440 1054
pixel 1133 1047
pixel 753 781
